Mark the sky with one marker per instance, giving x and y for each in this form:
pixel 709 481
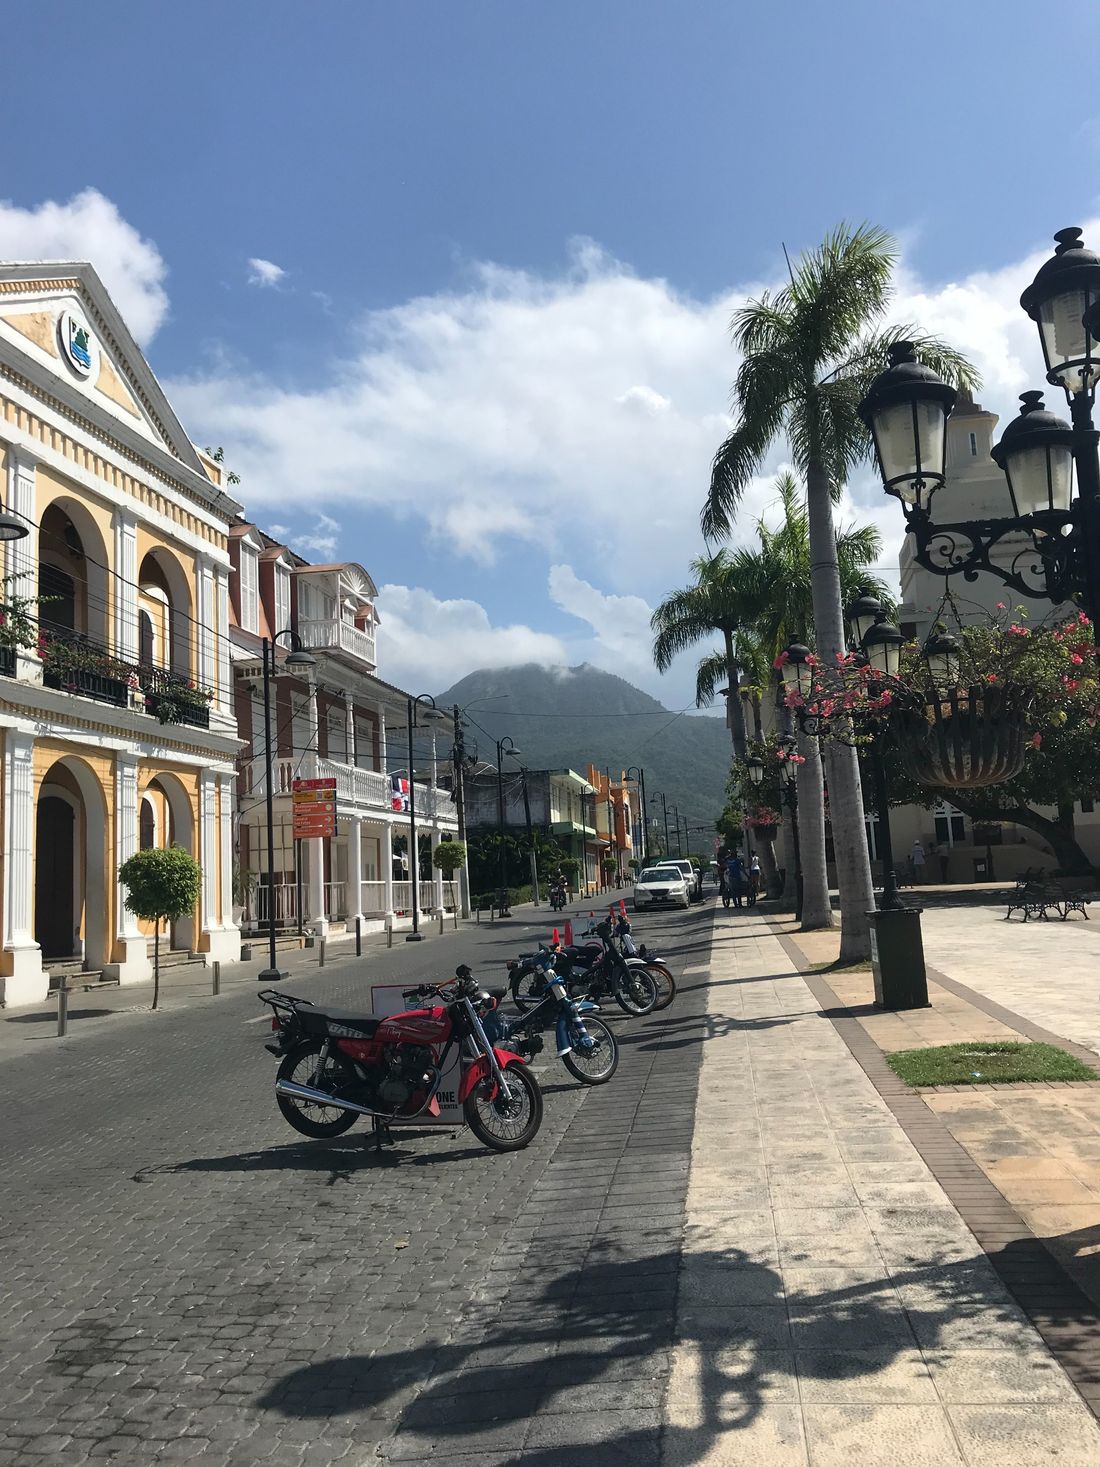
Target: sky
pixel 451 281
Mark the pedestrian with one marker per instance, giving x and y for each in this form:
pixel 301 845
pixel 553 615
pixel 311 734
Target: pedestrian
pixel 943 851
pixel 916 855
pixel 736 879
pixel 756 875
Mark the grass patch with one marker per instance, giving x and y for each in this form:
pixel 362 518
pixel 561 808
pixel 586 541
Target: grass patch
pixel 861 965
pixel 986 1062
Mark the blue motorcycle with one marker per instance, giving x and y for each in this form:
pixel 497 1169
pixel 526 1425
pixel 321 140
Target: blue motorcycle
pixel 585 1045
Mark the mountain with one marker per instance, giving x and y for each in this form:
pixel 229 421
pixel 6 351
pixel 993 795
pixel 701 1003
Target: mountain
pixel 569 717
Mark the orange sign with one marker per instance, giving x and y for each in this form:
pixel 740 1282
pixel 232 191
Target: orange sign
pixel 314 804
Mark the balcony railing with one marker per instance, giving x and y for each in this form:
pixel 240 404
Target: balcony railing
pixel 73 663
pixel 358 791
pixel 333 635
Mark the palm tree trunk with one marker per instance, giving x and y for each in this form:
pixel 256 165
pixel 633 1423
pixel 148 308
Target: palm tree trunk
pixel 853 865
pixel 817 908
pixel 735 712
pixel 765 849
pixel 790 886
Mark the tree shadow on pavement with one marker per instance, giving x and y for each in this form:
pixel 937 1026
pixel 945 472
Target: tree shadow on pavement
pixel 585 1361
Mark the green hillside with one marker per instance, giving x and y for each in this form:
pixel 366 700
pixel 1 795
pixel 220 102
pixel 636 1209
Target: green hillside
pixel 570 717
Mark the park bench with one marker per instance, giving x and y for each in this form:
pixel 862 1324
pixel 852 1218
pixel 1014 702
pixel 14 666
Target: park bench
pixel 1036 894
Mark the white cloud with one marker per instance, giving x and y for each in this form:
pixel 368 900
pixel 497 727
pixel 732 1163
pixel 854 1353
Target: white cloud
pixel 620 624
pixel 264 273
pixel 322 540
pixel 431 643
pixel 89 227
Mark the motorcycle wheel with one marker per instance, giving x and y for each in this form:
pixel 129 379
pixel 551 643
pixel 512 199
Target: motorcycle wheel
pixel 301 1066
pixel 596 1066
pixel 635 992
pixel 666 985
pixel 528 989
pixel 500 1124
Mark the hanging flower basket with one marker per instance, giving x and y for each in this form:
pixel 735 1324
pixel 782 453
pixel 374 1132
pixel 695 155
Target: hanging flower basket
pixel 967 738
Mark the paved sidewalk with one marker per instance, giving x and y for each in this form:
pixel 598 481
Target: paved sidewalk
pixel 833 1305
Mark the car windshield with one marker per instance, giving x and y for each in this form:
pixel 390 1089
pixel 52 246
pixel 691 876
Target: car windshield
pixel 682 866
pixel 647 878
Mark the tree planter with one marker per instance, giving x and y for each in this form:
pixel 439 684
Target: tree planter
pixel 970 738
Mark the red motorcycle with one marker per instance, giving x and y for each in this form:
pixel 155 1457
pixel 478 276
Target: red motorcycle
pixel 338 1066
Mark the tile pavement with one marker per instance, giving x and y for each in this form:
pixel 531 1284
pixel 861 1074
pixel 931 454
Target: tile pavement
pixel 834 1305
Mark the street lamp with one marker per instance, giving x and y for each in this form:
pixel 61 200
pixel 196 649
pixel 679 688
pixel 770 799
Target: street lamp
pixel 664 812
pixel 798 669
pixel 297 660
pixel 637 772
pixel 790 798
pixel 422 706
pixel 504 746
pixel 12 526
pixel 907 407
pixel 755 767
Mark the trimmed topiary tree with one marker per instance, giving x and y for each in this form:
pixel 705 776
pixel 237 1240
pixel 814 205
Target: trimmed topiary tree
pixel 161 886
pixel 449 856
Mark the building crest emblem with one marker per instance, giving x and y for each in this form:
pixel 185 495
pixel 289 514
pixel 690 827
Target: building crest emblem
pixel 78 345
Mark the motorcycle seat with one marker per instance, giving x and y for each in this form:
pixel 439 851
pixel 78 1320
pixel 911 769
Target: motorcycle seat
pixel 319 1019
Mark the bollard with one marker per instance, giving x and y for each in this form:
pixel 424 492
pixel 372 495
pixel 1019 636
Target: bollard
pixel 62 1009
pixel 389 934
pixel 441 921
pixel 358 937
pixel 321 959
pixel 477 915
pixel 217 979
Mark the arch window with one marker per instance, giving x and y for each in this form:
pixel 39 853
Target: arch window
pixel 147 825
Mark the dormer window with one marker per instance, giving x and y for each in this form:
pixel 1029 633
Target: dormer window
pixel 250 598
pixel 282 596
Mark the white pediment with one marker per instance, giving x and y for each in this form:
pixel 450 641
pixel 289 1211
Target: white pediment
pixel 60 328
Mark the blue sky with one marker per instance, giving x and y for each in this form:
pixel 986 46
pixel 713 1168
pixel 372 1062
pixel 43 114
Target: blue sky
pixel 483 351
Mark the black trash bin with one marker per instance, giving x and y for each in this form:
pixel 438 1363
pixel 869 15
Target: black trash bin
pixel 897 957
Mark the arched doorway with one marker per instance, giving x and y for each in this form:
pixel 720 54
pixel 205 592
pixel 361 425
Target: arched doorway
pixel 72 573
pixel 165 820
pixel 164 614
pixel 70 895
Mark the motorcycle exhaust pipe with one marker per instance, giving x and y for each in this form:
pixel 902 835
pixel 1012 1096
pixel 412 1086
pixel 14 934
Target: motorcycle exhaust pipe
pixel 293 1091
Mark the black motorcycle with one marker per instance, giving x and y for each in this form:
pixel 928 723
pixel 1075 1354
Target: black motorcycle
pixel 585 1045
pixel 595 971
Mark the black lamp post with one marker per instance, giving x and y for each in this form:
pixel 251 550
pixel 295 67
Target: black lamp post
pixel 676 828
pixel 664 812
pixel 298 660
pixel 790 799
pixel 637 772
pixel 12 526
pixel 504 746
pixel 906 409
pixel 422 706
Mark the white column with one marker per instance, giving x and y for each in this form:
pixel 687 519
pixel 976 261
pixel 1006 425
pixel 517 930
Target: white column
pixel 383 752
pixel 225 677
pixel 318 916
pixel 22 562
pixel 208 853
pixel 355 868
pixel 27 982
pixel 227 789
pixel 124 586
pixel 387 868
pixel 206 674
pixel 349 737
pixel 437 875
pixel 132 962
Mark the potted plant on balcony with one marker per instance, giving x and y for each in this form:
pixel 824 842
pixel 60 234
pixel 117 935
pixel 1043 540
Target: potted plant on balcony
pixel 72 664
pixel 179 700
pixel 17 627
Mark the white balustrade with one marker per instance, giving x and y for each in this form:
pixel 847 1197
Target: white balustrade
pixel 330 634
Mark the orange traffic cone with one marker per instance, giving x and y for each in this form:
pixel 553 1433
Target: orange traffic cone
pixel 555 940
pixel 622 906
pixel 568 932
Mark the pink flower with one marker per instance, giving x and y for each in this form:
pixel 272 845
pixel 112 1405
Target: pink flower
pixel 781 660
pixel 1082 618
pixel 1076 659
pixel 1036 741
pixel 886 699
pixel 1001 606
pixel 1071 684
pixel 991 677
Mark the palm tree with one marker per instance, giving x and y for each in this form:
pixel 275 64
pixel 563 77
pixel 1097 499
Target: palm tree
pixel 689 616
pixel 809 351
pixel 775 581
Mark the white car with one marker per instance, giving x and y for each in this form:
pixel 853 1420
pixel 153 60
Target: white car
pixel 661 886
pixel 693 877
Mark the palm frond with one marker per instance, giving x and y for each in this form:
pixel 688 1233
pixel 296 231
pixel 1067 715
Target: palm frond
pixel 711 674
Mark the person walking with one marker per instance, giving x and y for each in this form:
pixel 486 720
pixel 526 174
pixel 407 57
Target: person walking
pixel 756 876
pixel 916 855
pixel 736 879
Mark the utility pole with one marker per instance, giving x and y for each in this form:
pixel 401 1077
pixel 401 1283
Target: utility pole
pixel 530 836
pixel 458 755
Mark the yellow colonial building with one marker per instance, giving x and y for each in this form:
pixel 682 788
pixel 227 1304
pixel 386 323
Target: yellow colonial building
pixel 116 719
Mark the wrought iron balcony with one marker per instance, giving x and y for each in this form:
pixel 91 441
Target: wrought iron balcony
pixel 73 663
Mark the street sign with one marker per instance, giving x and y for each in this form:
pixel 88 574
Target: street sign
pixel 314 805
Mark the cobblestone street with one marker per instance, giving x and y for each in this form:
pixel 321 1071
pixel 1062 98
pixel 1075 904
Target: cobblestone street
pixel 185 1279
